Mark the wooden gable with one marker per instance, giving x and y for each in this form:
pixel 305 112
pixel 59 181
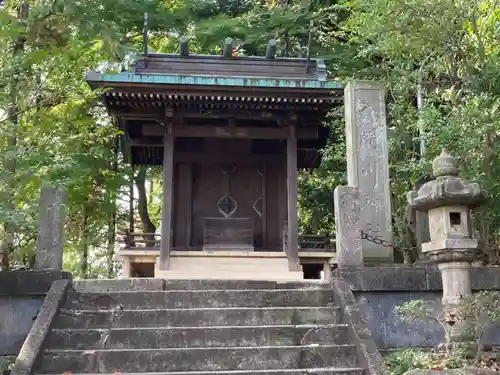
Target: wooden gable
pixel 219 92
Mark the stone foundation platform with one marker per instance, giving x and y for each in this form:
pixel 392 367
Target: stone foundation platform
pixel 221 264
pixel 229 266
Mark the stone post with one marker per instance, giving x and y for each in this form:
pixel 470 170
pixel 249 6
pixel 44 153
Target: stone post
pixel 456 282
pixel 448 201
pixel 368 163
pixel 50 238
pixel 347 225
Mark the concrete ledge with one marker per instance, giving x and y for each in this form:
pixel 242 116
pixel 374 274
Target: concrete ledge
pixel 135 285
pixel 405 278
pixel 152 284
pixel 228 268
pixel 368 354
pixel 32 346
pixel 26 283
pixel 243 284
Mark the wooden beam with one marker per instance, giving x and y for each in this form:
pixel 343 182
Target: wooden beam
pixel 225 158
pixel 291 183
pixel 208 110
pixel 134 114
pixel 166 207
pixel 190 131
pixel 257 114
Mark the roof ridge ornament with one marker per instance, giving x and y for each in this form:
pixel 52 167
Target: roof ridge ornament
pixel 183 47
pixel 228 47
pixel 321 69
pixel 271 49
pixel 445 165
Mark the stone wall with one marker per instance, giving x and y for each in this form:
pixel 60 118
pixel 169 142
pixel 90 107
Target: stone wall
pixel 379 290
pixel 21 296
pixel 16 318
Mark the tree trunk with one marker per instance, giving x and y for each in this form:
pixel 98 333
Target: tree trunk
pixel 151 185
pixel 112 218
pixel 111 242
pixel 6 247
pixel 142 207
pixel 84 264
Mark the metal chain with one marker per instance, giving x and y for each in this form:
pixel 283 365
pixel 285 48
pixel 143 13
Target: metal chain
pixel 381 241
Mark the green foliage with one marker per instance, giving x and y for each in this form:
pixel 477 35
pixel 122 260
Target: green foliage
pixel 481 311
pixel 416 310
pixel 6 364
pixel 51 130
pixel 401 361
pixel 419 310
pixel 405 360
pixel 476 313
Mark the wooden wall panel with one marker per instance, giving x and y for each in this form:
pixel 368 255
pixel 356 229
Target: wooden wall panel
pixel 276 204
pixel 246 188
pixel 245 185
pixel 182 206
pixel 207 188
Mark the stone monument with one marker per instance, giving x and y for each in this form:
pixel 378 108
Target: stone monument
pixel 347 226
pixel 50 238
pixel 448 201
pixel 368 164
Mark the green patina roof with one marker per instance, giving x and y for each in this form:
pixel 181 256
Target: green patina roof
pixel 173 79
pixel 215 70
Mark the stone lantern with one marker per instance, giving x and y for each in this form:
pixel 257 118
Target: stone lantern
pixel 448 201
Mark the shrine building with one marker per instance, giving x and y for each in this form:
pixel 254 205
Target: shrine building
pixel 231 133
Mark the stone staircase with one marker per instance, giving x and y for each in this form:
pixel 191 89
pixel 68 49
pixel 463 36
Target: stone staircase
pixel 201 327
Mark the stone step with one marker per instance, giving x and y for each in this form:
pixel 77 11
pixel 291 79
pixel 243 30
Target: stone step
pixel 244 284
pixel 198 359
pixel 302 371
pixel 200 299
pixel 192 337
pixel 208 317
pixel 152 284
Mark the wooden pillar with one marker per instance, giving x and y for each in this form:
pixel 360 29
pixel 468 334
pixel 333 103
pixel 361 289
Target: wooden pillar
pixel 264 205
pixel 189 203
pixel 291 184
pixel 166 206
